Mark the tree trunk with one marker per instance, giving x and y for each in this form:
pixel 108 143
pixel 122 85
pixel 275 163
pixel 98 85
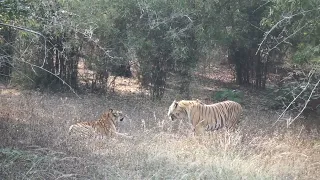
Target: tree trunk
pixel 7 50
pixel 249 67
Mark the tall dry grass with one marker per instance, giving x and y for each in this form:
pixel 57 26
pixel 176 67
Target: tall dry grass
pixel 35 143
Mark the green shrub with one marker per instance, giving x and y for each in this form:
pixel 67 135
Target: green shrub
pixel 307 54
pixel 299 91
pixel 228 94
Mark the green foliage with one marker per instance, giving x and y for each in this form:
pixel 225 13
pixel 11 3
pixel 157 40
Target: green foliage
pixel 296 22
pixel 48 60
pixel 161 36
pixel 166 36
pixel 12 10
pixel 307 53
pixel 298 91
pixel 228 94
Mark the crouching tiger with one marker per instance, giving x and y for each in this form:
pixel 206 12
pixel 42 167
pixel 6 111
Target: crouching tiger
pixel 104 126
pixel 206 117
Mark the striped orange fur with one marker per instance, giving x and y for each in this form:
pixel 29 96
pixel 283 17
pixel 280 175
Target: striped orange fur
pixel 206 117
pixel 105 125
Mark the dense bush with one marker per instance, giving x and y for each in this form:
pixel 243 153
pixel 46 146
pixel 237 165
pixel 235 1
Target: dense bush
pixel 298 92
pixel 161 36
pixel 228 94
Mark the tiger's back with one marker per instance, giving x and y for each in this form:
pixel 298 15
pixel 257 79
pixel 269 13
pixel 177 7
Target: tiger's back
pixel 216 116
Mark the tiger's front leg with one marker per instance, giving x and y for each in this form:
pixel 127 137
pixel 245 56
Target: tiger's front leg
pixel 122 135
pixel 199 128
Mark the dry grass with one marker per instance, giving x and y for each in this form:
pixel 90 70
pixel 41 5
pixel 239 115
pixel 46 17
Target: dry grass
pixel 160 149
pixel 43 163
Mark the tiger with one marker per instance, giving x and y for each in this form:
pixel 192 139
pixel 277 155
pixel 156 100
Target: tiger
pixel 205 117
pixel 104 126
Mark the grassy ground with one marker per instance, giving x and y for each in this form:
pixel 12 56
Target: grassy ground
pixel 35 143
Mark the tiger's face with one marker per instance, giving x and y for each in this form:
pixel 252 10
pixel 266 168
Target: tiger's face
pixel 118 115
pixel 175 111
pixel 114 115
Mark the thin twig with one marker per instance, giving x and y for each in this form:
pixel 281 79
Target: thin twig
pixel 305 105
pixel 287 37
pixel 268 32
pixel 22 28
pixel 276 25
pixel 33 32
pixel 281 115
pixel 33 65
pixel 260 6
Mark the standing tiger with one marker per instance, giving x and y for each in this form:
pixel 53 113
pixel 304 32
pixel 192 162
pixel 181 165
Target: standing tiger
pixel 206 117
pixel 105 125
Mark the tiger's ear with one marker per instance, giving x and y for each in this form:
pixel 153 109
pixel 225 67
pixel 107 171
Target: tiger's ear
pixel 175 103
pixel 110 110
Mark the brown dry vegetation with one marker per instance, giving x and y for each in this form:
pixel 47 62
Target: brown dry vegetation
pixel 35 143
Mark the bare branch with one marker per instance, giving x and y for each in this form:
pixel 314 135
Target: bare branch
pixel 281 115
pixel 261 6
pixel 33 65
pixel 33 32
pixel 284 40
pixel 279 22
pixel 305 105
pixel 4 75
pixel 268 32
pixel 23 29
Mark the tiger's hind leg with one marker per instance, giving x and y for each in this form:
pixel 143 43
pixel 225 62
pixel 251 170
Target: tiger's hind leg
pixel 234 124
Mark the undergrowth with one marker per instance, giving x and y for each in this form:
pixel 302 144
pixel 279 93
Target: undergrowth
pixel 44 163
pixel 160 149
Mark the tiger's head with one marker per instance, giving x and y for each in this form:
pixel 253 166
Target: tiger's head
pixel 114 115
pixel 174 110
pixel 178 109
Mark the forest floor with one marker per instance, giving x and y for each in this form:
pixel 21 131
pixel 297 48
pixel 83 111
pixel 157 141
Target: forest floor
pixel 34 140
